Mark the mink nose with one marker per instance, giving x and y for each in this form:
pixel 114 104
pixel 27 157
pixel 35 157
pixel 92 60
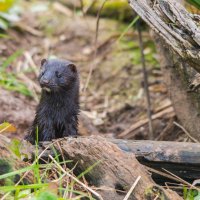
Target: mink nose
pixel 44 81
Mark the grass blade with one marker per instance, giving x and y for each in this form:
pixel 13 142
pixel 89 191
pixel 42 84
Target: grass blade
pixel 10 59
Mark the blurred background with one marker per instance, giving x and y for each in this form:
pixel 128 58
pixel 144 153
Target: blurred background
pixel 101 38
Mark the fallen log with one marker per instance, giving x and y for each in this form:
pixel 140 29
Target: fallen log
pixel 180 158
pixel 115 173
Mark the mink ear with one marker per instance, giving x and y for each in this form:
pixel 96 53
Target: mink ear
pixel 43 61
pixel 72 67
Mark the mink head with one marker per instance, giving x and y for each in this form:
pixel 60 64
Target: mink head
pixel 56 75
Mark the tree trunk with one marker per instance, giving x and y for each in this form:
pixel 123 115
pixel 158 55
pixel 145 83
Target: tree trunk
pixel 178 41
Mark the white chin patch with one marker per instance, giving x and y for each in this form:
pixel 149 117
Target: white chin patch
pixel 46 89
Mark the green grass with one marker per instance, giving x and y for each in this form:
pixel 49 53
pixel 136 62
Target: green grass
pixel 48 178
pixel 190 194
pixel 9 80
pixel 128 27
pixel 131 46
pixel 40 188
pixel 195 3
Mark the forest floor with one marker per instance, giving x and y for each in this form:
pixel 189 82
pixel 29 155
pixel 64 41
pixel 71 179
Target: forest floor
pixel 113 101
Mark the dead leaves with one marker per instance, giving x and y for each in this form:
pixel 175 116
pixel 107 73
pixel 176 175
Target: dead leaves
pixel 7 127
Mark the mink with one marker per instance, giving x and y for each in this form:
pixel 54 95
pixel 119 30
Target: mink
pixel 57 112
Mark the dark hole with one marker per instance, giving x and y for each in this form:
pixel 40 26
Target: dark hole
pixel 138 149
pixel 119 189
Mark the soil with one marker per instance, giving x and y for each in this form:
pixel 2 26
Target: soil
pixel 114 99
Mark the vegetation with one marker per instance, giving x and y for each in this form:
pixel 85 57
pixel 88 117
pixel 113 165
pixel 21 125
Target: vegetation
pixel 9 80
pixel 114 100
pixel 49 180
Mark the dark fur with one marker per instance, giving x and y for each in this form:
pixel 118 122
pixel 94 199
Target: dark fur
pixel 57 112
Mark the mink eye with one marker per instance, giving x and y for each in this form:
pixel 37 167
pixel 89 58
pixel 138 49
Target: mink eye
pixel 42 71
pixel 57 74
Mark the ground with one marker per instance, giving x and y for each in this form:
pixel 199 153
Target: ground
pixel 113 101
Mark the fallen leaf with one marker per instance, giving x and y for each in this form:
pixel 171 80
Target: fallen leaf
pixel 7 127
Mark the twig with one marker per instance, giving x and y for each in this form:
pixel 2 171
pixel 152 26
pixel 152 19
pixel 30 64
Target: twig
pixel 82 7
pixel 132 188
pixel 71 192
pixel 66 192
pixel 89 6
pixel 31 62
pixel 181 180
pixel 195 182
pixel 186 132
pixel 61 151
pixel 63 9
pixel 2 130
pixel 75 179
pixel 146 88
pixel 166 130
pixel 157 196
pixel 29 29
pixel 140 123
pixel 32 86
pixel 165 104
pixel 172 177
pixel 95 46
pixel 162 174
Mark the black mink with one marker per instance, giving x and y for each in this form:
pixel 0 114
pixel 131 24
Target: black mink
pixel 58 109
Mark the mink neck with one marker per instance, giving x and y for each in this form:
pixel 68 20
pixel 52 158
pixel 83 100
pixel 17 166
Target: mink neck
pixel 62 98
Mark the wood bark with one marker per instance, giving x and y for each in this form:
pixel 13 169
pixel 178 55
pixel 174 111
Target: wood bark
pixel 177 36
